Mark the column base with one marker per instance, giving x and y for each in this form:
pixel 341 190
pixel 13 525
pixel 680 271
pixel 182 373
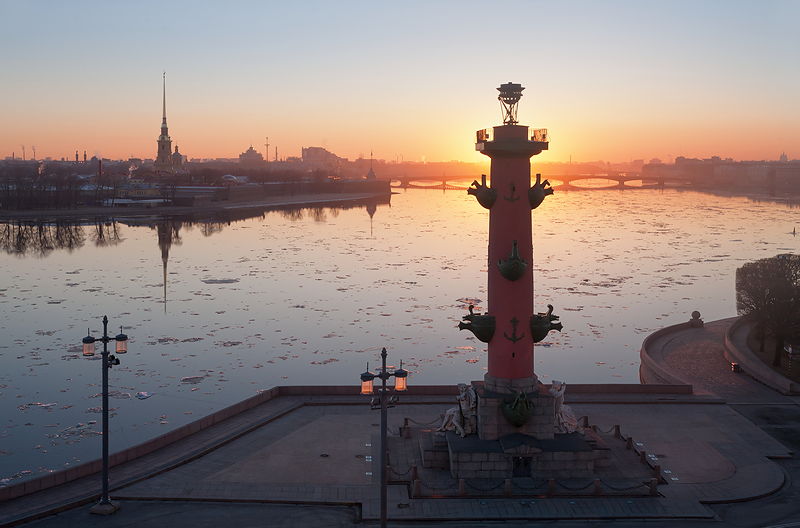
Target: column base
pixel 510 385
pixel 498 393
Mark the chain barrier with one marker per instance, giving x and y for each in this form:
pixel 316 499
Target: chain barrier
pixel 579 488
pixel 437 488
pixel 403 474
pixel 478 488
pixel 432 422
pixel 525 488
pixel 629 488
pixel 605 432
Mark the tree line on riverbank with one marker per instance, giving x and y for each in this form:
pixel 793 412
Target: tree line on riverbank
pixel 59 185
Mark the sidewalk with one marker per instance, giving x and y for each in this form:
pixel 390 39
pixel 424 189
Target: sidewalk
pixel 696 356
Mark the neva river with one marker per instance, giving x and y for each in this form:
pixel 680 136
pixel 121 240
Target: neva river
pixel 310 296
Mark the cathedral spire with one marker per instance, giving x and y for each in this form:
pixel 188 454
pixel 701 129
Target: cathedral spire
pixel 164 97
pixel 164 157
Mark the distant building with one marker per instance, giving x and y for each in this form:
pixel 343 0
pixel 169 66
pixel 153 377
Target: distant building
pixel 251 159
pixel 371 173
pixel 166 160
pixel 177 159
pixel 720 172
pixel 320 158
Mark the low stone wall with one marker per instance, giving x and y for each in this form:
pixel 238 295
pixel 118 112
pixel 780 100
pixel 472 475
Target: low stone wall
pixel 752 365
pixel 95 466
pixel 627 388
pixel 650 371
pixel 498 463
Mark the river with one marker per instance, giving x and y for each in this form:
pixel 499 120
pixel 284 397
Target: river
pixel 310 296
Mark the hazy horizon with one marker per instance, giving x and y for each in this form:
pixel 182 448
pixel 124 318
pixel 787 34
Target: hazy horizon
pixel 613 81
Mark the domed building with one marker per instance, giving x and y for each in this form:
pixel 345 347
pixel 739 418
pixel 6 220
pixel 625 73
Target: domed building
pixel 251 159
pixel 177 159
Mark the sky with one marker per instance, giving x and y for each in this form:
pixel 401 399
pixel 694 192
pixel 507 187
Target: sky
pixel 614 80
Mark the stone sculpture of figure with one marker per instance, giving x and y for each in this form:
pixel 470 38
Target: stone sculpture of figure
pixel 468 404
pixel 566 421
pixel 464 418
pixel 695 321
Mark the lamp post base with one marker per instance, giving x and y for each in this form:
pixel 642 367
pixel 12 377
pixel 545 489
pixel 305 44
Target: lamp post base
pixel 104 508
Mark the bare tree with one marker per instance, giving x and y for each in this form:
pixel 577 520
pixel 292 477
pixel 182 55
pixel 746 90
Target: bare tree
pixel 769 291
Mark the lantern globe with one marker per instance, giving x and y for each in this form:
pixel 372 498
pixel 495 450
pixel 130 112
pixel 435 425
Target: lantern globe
pixel 401 379
pixel 366 387
pixel 366 382
pixel 122 345
pixel 88 345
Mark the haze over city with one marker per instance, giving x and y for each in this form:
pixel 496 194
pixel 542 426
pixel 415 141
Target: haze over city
pixel 612 80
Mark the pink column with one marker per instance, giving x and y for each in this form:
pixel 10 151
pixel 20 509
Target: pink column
pixel 510 302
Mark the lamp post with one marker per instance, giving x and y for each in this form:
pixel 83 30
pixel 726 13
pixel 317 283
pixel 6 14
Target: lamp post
pixel 400 385
pixel 105 506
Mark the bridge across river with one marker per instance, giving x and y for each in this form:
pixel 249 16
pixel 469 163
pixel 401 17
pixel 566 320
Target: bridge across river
pixel 563 181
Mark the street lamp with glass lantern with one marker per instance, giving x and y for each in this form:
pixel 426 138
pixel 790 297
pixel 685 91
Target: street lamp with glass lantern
pixel 105 506
pixel 400 385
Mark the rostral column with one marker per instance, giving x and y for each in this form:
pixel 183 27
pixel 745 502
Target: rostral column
pixel 510 326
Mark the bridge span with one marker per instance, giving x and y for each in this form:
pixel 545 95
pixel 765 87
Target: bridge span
pixel 562 181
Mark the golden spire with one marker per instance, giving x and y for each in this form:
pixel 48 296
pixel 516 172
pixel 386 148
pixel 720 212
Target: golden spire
pixel 164 98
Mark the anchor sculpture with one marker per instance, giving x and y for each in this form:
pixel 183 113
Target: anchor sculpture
pixel 486 195
pixel 481 325
pixel 513 267
pixel 542 324
pixel 539 191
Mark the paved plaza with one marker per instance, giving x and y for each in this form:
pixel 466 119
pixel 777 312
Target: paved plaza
pixel 725 453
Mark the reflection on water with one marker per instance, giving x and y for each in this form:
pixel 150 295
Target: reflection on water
pixel 39 239
pixel 308 296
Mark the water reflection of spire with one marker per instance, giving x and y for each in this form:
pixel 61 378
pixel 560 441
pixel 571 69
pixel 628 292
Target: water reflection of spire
pixel 372 207
pixel 168 234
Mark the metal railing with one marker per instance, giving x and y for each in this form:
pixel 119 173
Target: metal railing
pixel 539 134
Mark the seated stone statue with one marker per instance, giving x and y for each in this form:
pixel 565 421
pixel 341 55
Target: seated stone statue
pixel 566 421
pixel 462 419
pixel 468 403
pixel 451 421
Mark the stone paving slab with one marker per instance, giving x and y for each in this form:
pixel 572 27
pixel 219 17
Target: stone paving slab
pixel 713 449
pixel 88 488
pixel 543 509
pixel 722 456
pixel 273 453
